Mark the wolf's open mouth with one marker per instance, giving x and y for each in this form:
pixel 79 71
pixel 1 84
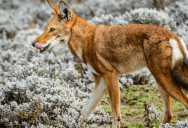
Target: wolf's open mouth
pixel 45 48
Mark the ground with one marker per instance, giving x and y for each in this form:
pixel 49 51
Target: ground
pixel 132 107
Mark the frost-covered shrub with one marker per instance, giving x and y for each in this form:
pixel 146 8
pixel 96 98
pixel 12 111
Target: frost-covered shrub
pixel 11 4
pixel 90 8
pixel 48 89
pixel 139 77
pixel 153 113
pixel 179 11
pixel 9 21
pixel 138 16
pixel 19 15
pixel 166 126
pixel 30 76
pixel 182 124
pixel 48 100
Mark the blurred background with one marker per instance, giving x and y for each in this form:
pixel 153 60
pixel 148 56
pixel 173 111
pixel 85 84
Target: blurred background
pixel 50 90
pixel 34 13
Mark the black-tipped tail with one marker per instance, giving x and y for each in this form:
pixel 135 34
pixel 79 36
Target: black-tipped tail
pixel 180 73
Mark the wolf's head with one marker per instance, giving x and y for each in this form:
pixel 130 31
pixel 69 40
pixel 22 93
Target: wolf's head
pixel 58 29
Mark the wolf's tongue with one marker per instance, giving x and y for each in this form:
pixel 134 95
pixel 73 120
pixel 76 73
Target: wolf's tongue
pixel 38 45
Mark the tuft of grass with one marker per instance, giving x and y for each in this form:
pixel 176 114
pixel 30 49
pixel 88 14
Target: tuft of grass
pixel 106 96
pixel 107 109
pixel 134 125
pixel 78 68
pixel 108 125
pixel 30 117
pixel 126 110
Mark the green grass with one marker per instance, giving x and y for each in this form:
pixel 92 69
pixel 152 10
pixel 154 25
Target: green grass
pixel 107 109
pixel 132 106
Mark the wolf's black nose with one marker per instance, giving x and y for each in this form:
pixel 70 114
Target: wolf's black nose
pixel 33 44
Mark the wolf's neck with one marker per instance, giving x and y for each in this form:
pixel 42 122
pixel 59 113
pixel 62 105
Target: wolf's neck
pixel 80 30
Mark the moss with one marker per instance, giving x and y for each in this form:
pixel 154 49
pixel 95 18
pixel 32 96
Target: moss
pixel 127 111
pixel 174 119
pixel 131 102
pixel 176 106
pixel 134 87
pixel 135 125
pixel 108 125
pixel 107 109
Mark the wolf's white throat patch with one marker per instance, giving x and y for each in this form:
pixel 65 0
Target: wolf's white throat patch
pixel 55 42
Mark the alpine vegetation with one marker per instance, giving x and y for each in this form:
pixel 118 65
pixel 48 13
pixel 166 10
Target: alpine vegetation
pixel 51 89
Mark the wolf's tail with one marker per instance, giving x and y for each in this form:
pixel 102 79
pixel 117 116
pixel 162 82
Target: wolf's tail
pixel 179 63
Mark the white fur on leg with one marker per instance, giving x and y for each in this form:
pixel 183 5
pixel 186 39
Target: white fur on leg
pixel 94 100
pixel 164 107
pixel 116 124
pixel 117 118
pixel 164 102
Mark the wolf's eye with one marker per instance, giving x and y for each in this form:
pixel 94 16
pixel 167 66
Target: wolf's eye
pixel 52 29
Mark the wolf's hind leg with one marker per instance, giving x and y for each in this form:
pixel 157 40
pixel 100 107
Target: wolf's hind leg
pixel 159 61
pixel 111 79
pixel 168 86
pixel 166 99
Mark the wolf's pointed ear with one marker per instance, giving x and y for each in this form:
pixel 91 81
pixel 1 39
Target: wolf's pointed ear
pixel 55 8
pixel 64 11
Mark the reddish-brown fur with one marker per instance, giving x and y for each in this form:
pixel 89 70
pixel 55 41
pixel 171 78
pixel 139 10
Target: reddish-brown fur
pixel 118 49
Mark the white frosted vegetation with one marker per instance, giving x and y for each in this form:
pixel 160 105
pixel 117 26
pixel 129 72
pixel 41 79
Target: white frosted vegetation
pixel 138 16
pixel 91 8
pixel 153 113
pixel 30 76
pixel 18 15
pixel 48 89
pixel 30 87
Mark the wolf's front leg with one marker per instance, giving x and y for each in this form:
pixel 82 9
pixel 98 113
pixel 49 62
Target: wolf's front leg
pixel 97 94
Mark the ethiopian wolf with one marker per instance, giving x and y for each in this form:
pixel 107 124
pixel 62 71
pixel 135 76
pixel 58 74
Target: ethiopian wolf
pixel 119 49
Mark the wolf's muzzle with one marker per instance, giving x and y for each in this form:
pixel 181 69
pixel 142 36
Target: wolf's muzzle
pixel 33 44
